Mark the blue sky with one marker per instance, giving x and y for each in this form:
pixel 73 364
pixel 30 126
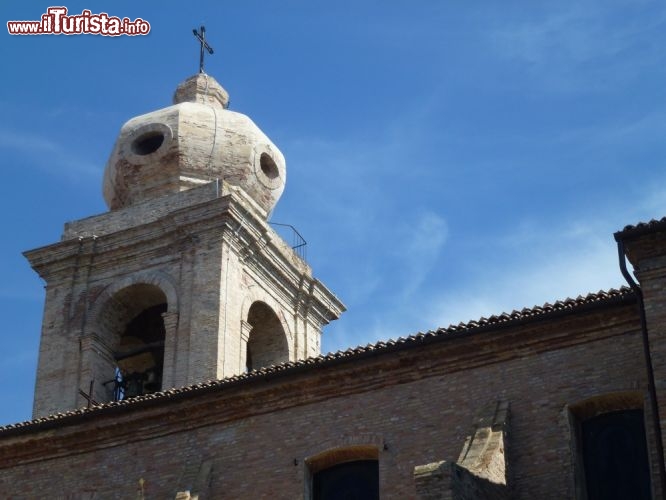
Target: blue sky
pixel 446 160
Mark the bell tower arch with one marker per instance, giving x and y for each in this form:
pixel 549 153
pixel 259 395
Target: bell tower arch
pixel 267 342
pixel 183 277
pixel 130 329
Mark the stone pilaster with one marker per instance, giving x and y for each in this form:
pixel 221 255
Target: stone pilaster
pixel 97 364
pixel 246 329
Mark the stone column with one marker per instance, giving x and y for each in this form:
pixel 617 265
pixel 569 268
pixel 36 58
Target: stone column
pixel 169 376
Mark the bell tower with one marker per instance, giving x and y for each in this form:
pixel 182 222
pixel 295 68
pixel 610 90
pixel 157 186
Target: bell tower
pixel 183 280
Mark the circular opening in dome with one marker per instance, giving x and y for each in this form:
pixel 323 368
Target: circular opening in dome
pixel 148 143
pixel 268 166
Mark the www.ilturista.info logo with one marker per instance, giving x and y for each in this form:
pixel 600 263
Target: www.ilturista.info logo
pixel 56 22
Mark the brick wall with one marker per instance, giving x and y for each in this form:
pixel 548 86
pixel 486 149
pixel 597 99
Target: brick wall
pixel 413 405
pixel 647 252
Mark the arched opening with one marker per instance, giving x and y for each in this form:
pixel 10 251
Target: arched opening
pixel 133 326
pixel 344 473
pixel 267 344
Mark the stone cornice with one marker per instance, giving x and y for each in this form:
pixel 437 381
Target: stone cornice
pixel 214 209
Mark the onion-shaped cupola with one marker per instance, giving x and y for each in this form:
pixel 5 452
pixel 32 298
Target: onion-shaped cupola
pixel 194 141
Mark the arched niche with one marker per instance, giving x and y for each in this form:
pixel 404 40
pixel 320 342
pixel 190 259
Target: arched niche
pixel 267 342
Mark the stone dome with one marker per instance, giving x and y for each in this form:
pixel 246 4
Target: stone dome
pixel 193 142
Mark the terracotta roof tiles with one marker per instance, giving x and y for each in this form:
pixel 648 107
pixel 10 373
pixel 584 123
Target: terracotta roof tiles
pixel 505 319
pixel 641 228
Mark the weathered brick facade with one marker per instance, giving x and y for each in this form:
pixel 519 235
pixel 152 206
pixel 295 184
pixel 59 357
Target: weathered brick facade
pixel 413 402
pixel 490 409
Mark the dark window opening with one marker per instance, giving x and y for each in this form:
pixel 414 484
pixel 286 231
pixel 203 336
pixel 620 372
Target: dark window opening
pixel 140 355
pixel 615 456
pixel 268 166
pixel 358 480
pixel 147 143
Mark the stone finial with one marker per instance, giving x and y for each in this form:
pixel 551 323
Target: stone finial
pixel 203 89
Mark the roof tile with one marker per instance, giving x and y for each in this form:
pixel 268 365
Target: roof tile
pixel 642 227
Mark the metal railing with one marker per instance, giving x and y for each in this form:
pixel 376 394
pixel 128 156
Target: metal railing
pixel 298 243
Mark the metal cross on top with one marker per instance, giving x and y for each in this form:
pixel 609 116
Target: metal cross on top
pixel 201 36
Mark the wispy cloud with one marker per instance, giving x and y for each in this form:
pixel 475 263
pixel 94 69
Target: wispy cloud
pixel 363 190
pixel 48 156
pixel 552 265
pixel 540 262
pixel 577 46
pixel 419 250
pixel 535 263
